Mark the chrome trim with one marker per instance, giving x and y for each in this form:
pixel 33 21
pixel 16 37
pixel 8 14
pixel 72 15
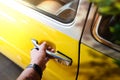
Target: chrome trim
pixel 99 38
pixel 49 14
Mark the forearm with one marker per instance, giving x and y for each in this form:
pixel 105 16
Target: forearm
pixel 37 64
pixel 29 74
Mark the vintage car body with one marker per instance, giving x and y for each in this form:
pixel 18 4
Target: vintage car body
pixel 76 37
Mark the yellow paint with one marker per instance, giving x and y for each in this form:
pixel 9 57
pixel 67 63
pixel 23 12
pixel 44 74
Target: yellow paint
pixel 96 66
pixel 16 32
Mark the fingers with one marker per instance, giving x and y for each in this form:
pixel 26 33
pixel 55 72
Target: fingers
pixel 43 46
pixel 39 56
pixel 42 49
pixel 50 49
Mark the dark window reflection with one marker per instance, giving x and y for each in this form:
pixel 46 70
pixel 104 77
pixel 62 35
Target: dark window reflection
pixel 109 29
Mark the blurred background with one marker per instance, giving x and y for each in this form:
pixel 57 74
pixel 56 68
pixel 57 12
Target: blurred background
pixel 8 70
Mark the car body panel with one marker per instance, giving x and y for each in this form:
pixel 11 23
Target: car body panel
pixel 72 29
pixel 97 60
pixel 89 39
pixel 16 32
pixel 20 24
pixel 96 66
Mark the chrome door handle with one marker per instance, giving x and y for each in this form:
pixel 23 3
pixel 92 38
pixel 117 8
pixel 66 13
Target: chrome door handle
pixel 58 56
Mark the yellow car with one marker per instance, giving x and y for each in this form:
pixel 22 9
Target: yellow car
pixel 73 27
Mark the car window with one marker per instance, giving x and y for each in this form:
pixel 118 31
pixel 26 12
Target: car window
pixel 109 29
pixel 62 9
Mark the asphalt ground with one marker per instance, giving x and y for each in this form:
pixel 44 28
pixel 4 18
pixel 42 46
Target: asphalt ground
pixel 8 69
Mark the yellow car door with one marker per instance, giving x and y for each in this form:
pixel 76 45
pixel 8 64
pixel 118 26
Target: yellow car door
pixel 59 22
pixel 100 47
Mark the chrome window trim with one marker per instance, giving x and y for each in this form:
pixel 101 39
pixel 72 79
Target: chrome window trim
pixel 89 40
pixel 48 14
pixel 99 38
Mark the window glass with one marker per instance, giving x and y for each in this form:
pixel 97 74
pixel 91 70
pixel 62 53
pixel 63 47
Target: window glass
pixel 109 29
pixel 63 9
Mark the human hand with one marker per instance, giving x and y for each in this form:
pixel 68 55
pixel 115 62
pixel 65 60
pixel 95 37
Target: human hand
pixel 39 56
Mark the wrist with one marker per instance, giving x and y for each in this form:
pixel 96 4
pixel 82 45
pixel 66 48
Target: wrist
pixel 38 62
pixel 36 68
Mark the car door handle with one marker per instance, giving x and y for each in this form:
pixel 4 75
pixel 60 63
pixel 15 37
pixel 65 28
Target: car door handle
pixel 58 56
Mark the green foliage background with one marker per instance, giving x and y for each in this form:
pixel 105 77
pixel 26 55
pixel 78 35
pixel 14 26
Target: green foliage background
pixel 111 7
pixel 108 7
